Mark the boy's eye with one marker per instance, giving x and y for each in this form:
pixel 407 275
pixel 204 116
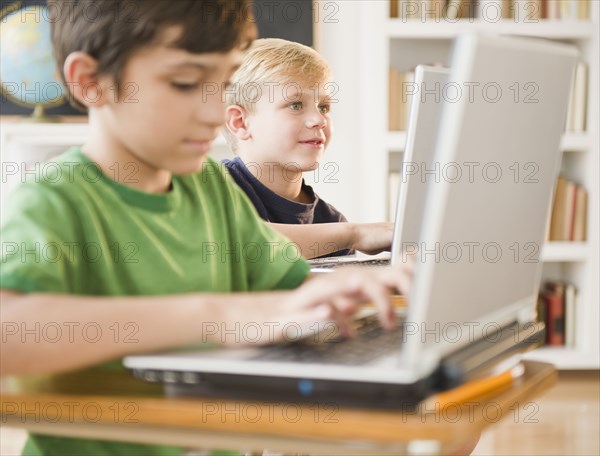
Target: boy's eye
pixel 324 109
pixel 296 106
pixel 184 86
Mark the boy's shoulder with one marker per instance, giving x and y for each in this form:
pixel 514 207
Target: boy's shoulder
pixel 61 177
pixel 63 171
pixel 53 194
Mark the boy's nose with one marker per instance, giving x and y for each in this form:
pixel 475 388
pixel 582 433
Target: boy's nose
pixel 211 109
pixel 316 120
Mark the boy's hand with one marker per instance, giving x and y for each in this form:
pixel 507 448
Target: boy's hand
pixel 373 238
pixel 337 296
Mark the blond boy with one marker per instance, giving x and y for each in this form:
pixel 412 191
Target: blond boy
pixel 279 126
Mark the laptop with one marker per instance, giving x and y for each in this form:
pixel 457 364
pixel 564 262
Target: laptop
pixel 472 302
pixel 424 118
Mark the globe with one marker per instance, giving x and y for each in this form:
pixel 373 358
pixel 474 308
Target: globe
pixel 27 66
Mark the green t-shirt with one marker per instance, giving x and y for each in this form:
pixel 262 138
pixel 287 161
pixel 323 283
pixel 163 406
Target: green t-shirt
pixel 71 229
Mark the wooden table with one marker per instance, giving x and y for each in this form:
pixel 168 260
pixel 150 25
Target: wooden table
pixel 123 409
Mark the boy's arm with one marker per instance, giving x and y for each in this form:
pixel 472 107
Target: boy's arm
pixel 320 239
pixel 47 333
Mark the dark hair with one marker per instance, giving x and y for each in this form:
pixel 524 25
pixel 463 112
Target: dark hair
pixel 111 31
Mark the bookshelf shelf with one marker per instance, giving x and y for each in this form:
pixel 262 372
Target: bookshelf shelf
pixel 565 358
pixel 565 251
pixel 396 140
pixel 576 142
pixel 445 29
pixel 571 142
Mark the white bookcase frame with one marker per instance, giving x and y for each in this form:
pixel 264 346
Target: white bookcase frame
pixel 361 42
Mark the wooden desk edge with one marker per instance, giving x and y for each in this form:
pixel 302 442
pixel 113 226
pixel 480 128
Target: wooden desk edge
pixel 183 421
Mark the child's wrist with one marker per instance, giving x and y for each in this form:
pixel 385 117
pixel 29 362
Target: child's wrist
pixel 354 235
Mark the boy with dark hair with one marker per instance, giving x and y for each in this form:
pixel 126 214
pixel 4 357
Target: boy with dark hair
pixel 139 225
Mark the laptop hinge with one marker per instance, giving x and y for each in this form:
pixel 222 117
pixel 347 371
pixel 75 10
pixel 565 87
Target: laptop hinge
pixel 483 356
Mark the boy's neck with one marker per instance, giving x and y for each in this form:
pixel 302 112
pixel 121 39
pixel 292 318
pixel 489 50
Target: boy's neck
pixel 285 182
pixel 120 164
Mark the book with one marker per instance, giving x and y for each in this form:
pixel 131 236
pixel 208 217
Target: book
pixel 578 230
pixel 407 80
pixel 548 223
pixel 394 179
pixel 552 9
pixel 575 9
pixel 393 8
pixel 401 101
pixel 562 210
pixel 411 9
pixel 527 11
pixel 569 121
pixel 494 10
pixel 570 316
pixel 566 8
pixel 579 94
pixel 436 9
pixel 576 113
pixel 394 100
pixel 423 10
pixel 541 309
pixel 553 296
pixel 583 10
pixel 400 87
pixel 461 9
pixel 568 218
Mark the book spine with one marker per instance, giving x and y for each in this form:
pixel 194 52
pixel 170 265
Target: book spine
pixel 570 316
pixel 394 8
pixel 573 213
pixel 553 9
pixel 494 10
pixel 583 10
pixel 436 9
pixel 412 9
pixel 579 226
pixel 527 11
pixel 567 219
pixel 579 104
pixel 555 317
pixel 394 189
pixel 559 209
pixel 408 80
pixel 454 9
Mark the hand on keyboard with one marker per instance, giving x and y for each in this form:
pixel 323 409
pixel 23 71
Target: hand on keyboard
pixel 372 238
pixel 337 296
pixel 328 298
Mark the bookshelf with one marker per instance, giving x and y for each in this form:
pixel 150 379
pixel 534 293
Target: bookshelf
pixel 366 152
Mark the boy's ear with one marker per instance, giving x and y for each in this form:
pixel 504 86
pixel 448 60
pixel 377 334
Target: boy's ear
pixel 80 70
pixel 236 121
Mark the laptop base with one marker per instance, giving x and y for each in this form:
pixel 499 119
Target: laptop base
pixel 278 389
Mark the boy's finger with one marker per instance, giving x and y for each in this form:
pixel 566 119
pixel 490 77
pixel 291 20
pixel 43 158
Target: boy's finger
pixel 316 291
pixel 376 290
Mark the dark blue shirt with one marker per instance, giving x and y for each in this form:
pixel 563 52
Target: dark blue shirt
pixel 277 209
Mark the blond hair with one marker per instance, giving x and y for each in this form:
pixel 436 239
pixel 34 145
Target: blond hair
pixel 269 61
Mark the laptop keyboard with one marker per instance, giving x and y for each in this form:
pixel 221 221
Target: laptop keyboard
pixel 371 341
pixel 333 264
